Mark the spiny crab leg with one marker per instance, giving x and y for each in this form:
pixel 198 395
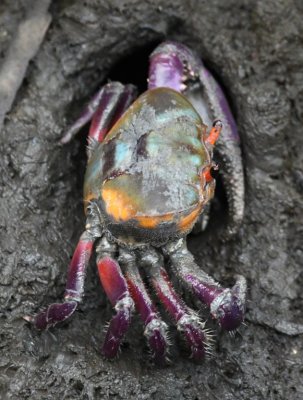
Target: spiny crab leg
pixel 186 319
pixel 59 312
pixel 104 109
pixel 116 289
pixel 226 305
pixel 116 99
pixel 155 329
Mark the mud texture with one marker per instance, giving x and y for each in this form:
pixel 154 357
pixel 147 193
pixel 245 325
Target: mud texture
pixel 255 49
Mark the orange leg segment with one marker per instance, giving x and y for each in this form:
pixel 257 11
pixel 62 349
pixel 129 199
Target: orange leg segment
pixel 214 132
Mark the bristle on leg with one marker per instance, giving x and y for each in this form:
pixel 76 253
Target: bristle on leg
pixel 115 287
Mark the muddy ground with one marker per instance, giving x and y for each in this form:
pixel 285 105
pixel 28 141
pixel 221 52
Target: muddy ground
pixel 255 49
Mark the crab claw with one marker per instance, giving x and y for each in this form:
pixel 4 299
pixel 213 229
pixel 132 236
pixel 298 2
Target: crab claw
pixel 228 307
pixel 52 315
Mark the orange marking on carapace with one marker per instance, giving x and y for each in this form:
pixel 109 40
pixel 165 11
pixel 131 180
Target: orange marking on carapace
pixel 152 222
pixel 118 204
pixel 186 222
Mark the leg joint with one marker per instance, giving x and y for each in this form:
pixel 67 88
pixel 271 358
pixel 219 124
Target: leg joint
pixel 125 303
pixel 105 248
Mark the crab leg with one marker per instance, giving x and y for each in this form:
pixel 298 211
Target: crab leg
pixel 226 305
pixel 116 99
pixel 116 289
pixel 155 328
pixel 214 133
pixel 186 319
pixel 59 312
pixel 104 109
pixel 175 66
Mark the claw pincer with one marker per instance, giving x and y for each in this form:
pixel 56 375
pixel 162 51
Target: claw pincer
pixel 150 175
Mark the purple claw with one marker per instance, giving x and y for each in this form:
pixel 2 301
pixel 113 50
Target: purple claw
pixel 165 70
pixel 175 66
pixel 53 314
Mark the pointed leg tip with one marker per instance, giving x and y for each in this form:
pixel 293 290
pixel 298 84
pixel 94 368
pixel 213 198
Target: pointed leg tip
pixel 28 318
pixel 197 355
pixel 229 311
pixel 117 328
pixel 232 319
pixel 65 138
pixel 156 333
pixel 195 335
pixel 228 307
pixel 160 359
pixel 110 351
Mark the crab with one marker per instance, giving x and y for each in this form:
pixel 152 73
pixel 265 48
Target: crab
pixel 150 174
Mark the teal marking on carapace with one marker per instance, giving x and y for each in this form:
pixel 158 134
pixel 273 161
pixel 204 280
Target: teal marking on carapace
pixel 157 147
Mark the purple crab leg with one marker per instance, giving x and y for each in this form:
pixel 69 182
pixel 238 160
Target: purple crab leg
pixel 186 319
pixel 226 305
pixel 116 289
pixel 175 66
pixel 104 109
pixel 59 312
pixel 155 329
pixel 116 99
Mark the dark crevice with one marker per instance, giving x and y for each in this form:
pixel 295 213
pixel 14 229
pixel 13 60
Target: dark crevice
pixel 134 67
